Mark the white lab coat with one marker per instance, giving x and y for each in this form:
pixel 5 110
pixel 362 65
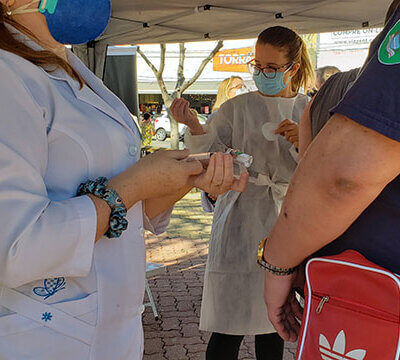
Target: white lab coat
pixel 62 296
pixel 233 300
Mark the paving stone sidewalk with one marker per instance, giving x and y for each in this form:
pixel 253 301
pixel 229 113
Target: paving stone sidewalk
pixel 183 249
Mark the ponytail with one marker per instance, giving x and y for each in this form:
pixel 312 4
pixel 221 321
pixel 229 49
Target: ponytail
pixel 305 76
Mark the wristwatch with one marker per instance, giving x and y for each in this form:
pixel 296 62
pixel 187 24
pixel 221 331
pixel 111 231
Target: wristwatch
pixel 269 267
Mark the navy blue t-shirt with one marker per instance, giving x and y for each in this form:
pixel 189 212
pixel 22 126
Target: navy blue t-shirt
pixel 374 102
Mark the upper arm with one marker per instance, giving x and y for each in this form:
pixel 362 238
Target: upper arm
pixel 305 136
pixel 23 140
pixel 354 155
pixel 218 133
pixel 22 127
pixel 52 238
pixel 367 147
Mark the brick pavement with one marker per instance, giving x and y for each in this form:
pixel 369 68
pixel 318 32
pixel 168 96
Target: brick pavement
pixel 183 249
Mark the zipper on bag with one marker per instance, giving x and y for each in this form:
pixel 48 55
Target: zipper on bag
pixel 321 304
pixel 352 306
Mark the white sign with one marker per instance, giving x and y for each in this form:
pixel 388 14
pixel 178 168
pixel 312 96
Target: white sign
pixel 347 40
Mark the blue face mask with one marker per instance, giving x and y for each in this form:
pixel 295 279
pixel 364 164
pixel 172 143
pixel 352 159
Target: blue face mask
pixel 270 86
pixel 72 21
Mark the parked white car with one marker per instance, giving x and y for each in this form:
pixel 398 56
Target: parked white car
pixel 163 126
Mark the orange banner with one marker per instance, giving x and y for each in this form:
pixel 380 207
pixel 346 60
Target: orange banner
pixel 234 60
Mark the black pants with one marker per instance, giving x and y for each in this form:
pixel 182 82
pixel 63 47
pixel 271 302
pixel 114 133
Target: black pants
pixel 226 347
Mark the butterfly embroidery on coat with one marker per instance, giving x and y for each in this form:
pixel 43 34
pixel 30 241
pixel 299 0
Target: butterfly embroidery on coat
pixel 50 287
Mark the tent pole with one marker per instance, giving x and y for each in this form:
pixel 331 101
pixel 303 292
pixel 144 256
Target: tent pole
pixel 136 111
pixel 93 55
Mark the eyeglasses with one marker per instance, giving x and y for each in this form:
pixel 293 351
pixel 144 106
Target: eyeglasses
pixel 269 72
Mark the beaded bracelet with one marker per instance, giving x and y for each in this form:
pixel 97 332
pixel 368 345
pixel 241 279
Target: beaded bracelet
pixel 275 270
pixel 98 188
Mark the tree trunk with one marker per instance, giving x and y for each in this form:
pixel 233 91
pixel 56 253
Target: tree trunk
pixel 181 85
pixel 177 94
pixel 174 125
pixel 168 99
pixel 174 131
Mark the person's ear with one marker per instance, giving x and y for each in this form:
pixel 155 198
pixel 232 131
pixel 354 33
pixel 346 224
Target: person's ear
pixel 294 69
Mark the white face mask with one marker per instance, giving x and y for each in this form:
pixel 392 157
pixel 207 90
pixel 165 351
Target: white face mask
pixel 242 90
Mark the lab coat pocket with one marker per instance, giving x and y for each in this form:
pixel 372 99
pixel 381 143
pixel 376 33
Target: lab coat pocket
pixel 39 331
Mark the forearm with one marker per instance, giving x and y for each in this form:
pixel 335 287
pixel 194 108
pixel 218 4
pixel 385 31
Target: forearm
pixel 213 139
pixel 127 188
pixel 196 129
pixel 155 207
pixel 103 216
pixel 62 232
pixel 335 182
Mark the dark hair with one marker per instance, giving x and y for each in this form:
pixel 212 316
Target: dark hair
pixel 296 51
pixel 392 8
pixel 146 116
pixel 43 58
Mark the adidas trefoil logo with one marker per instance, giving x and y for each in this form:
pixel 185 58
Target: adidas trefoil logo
pixel 338 352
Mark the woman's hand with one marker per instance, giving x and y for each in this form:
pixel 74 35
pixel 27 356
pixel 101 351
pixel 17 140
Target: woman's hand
pixel 219 178
pixel 290 130
pixel 168 172
pixel 157 175
pixel 182 113
pixel 284 310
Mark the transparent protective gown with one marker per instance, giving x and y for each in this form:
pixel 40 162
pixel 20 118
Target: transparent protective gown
pixel 233 290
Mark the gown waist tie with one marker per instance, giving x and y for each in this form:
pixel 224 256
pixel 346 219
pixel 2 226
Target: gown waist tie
pixel 278 188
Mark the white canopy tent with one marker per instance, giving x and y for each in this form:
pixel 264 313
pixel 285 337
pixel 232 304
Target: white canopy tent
pixel 157 21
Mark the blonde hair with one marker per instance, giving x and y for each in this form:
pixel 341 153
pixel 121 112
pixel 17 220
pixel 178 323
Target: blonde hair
pixel 223 91
pixel 296 52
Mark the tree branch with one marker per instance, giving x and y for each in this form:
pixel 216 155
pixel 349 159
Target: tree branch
pixel 202 66
pixel 181 67
pixel 158 73
pixel 148 62
pixel 162 61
